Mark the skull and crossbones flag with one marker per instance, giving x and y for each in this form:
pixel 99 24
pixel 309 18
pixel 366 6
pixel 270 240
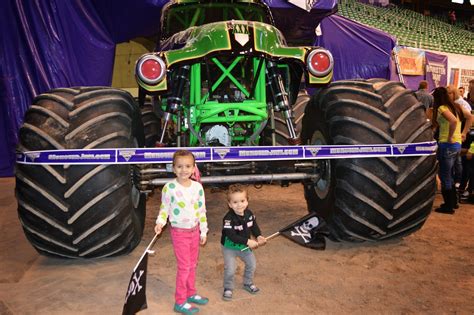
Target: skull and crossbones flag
pixel 304 4
pixel 135 299
pixel 308 231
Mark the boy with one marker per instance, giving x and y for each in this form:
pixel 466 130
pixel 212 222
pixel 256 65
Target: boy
pixel 239 224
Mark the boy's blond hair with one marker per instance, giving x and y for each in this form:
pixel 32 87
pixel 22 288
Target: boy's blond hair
pixel 182 153
pixel 235 188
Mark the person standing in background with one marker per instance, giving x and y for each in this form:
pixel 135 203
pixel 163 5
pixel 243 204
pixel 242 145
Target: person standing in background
pixel 470 93
pixel 461 168
pixel 423 96
pixel 452 17
pixel 462 91
pixel 457 97
pixel 447 117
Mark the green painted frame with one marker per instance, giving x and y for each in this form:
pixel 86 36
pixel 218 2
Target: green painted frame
pixel 202 111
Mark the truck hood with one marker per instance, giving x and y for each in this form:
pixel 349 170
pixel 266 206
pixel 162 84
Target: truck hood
pixel 236 37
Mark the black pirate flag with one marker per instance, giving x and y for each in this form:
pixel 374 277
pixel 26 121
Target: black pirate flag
pixel 135 299
pixel 308 231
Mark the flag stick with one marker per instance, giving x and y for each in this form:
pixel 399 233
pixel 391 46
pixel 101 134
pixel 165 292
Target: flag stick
pixel 267 238
pixel 150 245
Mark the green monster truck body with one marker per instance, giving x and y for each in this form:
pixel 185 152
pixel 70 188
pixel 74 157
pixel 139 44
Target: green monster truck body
pixel 223 77
pixel 218 71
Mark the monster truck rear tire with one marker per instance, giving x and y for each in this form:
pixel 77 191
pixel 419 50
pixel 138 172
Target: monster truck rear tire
pixel 298 108
pixel 81 211
pixel 369 199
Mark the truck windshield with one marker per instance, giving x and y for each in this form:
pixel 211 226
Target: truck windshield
pixel 179 17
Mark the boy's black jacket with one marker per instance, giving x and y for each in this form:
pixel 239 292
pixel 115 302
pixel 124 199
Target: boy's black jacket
pixel 239 228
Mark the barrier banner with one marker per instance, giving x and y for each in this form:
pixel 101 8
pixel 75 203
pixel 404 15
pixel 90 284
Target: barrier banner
pixel 224 154
pixel 436 69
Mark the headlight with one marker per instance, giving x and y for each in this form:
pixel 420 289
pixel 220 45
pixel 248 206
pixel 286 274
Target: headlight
pixel 319 62
pixel 151 69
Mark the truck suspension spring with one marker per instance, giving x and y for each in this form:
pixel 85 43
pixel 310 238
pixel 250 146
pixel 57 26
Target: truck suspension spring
pixel 280 97
pixel 174 101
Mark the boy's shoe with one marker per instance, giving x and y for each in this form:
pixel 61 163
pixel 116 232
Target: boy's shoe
pixel 197 299
pixel 227 295
pixel 251 288
pixel 185 308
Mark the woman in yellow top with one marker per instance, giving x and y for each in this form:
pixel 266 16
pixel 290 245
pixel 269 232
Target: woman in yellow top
pixel 447 116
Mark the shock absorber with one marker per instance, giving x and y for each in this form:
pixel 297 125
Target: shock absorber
pixel 174 101
pixel 280 98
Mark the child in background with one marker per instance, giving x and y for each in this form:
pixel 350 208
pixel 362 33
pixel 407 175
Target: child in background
pixel 239 224
pixel 183 203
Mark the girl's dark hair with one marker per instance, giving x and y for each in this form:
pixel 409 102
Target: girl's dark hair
pixel 441 97
pixel 182 153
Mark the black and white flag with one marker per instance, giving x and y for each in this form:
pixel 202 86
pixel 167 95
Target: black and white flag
pixel 135 299
pixel 308 231
pixel 304 4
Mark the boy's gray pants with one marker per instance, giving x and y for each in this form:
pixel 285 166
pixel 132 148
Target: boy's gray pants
pixel 230 265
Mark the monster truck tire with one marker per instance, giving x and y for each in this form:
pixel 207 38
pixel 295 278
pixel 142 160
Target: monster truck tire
pixel 369 199
pixel 151 124
pixel 81 211
pixel 298 108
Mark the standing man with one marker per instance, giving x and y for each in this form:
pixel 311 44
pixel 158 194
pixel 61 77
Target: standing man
pixel 470 94
pixel 424 96
pixel 461 91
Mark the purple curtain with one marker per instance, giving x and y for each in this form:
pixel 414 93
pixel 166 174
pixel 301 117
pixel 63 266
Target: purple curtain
pixel 57 43
pixel 44 45
pixel 359 51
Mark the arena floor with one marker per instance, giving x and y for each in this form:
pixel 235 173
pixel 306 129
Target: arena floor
pixel 429 272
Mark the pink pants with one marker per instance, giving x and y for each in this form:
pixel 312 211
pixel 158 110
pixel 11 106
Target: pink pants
pixel 186 250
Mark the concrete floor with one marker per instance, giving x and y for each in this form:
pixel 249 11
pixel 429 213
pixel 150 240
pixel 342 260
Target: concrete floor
pixel 428 272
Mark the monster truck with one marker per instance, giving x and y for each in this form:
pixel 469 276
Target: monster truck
pixel 224 77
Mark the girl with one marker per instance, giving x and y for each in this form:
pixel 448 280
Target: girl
pixel 182 201
pixel 447 116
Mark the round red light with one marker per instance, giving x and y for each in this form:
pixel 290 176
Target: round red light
pixel 320 62
pixel 151 69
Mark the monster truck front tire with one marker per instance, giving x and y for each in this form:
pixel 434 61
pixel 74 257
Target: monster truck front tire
pixel 81 211
pixel 369 199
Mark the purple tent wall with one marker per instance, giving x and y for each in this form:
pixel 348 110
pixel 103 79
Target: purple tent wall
pixel 125 19
pixel 359 51
pixel 46 44
pixel 56 43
